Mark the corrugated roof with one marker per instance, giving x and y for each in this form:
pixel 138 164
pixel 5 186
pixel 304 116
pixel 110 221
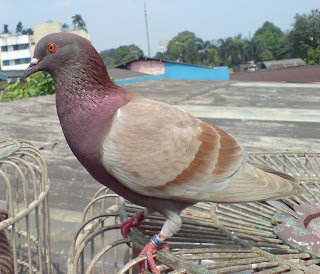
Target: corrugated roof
pixel 284 63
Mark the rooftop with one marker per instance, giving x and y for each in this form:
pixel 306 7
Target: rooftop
pixel 261 116
pixel 303 74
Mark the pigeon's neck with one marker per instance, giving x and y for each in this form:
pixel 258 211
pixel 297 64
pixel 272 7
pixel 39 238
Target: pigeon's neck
pixel 85 111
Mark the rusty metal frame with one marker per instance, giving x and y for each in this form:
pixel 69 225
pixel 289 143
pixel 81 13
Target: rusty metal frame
pixel 24 191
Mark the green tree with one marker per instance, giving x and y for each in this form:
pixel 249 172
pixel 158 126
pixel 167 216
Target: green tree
pixel 239 55
pixel 107 56
pixel 120 55
pixel 225 48
pixel 65 27
pixel 305 33
pixel 6 29
pixel 313 56
pixel 213 58
pixel 271 39
pixel 19 28
pixel 27 31
pixel 40 83
pixel 203 51
pixel 126 53
pixel 78 22
pixel 183 48
pixel 161 55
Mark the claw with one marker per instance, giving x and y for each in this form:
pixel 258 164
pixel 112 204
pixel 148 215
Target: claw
pixel 149 250
pixel 134 221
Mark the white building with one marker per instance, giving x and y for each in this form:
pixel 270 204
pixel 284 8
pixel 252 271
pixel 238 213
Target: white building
pixel 15 51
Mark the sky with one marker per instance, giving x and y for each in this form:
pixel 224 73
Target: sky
pixel 112 23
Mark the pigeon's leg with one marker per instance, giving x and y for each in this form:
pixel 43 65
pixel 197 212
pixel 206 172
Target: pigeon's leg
pixel 170 227
pixel 134 221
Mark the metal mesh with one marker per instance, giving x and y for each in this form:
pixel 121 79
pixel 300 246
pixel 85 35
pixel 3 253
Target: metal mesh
pixel 214 238
pixel 24 195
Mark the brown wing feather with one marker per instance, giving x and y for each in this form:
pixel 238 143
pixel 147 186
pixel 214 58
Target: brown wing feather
pixel 158 150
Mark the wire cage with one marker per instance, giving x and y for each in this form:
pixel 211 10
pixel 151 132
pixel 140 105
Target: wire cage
pixel 214 238
pixel 24 191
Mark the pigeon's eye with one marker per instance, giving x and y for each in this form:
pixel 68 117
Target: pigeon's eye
pixel 52 47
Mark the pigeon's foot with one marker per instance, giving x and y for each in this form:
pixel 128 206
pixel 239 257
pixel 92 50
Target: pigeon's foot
pixel 151 248
pixel 135 221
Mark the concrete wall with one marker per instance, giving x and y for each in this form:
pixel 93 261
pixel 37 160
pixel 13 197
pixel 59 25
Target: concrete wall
pixel 149 67
pixel 191 72
pixel 41 30
pixel 182 72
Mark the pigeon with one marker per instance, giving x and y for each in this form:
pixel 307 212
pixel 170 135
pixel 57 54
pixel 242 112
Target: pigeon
pixel 150 153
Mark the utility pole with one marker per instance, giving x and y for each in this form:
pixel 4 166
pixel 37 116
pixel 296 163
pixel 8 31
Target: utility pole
pixel 147 30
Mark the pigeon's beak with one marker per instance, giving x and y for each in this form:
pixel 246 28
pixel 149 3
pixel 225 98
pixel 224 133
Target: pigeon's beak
pixel 32 68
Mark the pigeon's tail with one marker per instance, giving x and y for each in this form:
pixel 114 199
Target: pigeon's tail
pixel 283 179
pixel 279 204
pixel 254 182
pixel 275 172
pixel 283 207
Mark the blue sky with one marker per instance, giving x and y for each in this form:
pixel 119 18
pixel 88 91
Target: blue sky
pixel 112 23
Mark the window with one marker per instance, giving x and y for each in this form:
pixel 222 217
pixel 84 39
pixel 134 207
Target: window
pixel 21 47
pixel 6 63
pixel 4 48
pixel 22 61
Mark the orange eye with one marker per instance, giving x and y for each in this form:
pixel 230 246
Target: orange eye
pixel 52 47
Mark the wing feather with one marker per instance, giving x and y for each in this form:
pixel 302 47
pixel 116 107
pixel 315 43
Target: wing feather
pixel 161 151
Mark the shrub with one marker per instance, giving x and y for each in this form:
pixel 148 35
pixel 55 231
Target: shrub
pixel 38 84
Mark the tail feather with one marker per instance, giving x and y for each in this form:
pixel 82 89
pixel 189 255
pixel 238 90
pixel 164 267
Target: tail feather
pixel 257 183
pixel 281 206
pixel 275 172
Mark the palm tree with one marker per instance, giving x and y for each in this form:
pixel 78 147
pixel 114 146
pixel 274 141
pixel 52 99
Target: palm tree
pixel 78 22
pixel 225 50
pixel 238 51
pixel 203 50
pixel 253 49
pixel 213 59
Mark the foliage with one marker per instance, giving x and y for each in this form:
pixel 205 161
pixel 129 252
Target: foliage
pixel 40 83
pixel 27 31
pixel 19 28
pixel 187 48
pixel 65 27
pixel 313 56
pixel 107 56
pixel 271 41
pixel 5 28
pixel 78 22
pixel 305 33
pixel 120 55
pixel 183 48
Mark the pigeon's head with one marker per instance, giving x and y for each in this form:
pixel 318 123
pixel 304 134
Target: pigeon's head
pixel 57 51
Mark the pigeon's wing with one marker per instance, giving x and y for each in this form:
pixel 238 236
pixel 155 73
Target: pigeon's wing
pixel 161 151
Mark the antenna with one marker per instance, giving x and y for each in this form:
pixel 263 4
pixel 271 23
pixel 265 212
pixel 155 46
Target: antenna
pixel 147 30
